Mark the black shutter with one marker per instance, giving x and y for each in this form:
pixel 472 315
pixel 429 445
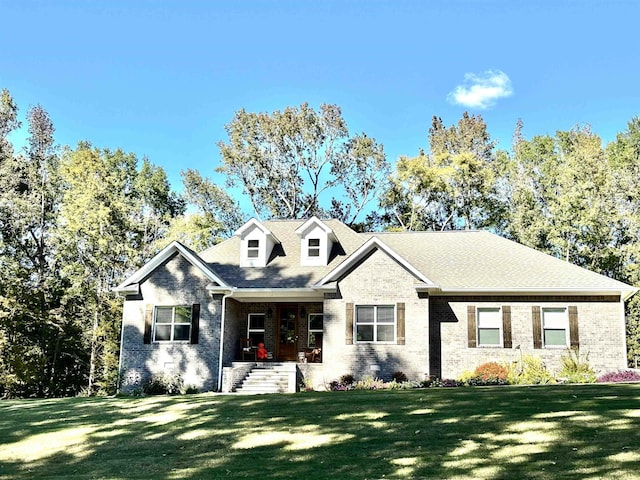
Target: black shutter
pixel 195 322
pixel 573 327
pixel 400 324
pixel 471 326
pixel 506 326
pixel 537 327
pixel 148 324
pixel 349 324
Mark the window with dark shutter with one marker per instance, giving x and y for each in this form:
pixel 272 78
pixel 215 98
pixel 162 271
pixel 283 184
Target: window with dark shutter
pixel 195 322
pixel 471 326
pixel 400 329
pixel 506 326
pixel 349 324
pixel 574 337
pixel 537 327
pixel 148 324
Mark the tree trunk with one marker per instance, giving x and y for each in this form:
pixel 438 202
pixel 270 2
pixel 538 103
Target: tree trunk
pixel 94 348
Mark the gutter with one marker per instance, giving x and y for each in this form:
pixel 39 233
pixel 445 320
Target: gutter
pixel 229 293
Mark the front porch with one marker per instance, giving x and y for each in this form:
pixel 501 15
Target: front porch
pixel 289 331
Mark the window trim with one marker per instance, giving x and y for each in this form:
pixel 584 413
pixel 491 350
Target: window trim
pixel 376 324
pixel 498 313
pixel 543 329
pixel 172 324
pixel 310 330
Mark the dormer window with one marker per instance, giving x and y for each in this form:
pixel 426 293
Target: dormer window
pixel 253 248
pixel 314 247
pixel 256 244
pixel 316 242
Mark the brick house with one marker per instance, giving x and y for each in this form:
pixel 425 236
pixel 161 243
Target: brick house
pixel 325 301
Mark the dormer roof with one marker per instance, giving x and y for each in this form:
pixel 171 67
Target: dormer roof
pixel 255 224
pixel 315 222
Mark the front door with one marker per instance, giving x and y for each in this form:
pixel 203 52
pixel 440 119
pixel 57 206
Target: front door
pixel 287 332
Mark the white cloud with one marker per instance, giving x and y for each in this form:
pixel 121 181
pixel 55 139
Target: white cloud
pixel 482 90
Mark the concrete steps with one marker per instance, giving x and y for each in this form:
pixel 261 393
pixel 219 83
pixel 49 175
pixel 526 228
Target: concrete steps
pixel 268 378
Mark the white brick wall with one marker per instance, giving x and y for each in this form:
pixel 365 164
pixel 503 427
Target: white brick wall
pixel 176 282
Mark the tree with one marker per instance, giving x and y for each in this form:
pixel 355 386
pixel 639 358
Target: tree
pixel 33 316
pixel 107 199
pixel 624 158
pixel 560 187
pixel 453 187
pixel 286 161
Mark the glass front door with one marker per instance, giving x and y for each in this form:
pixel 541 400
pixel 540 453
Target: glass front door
pixel 287 332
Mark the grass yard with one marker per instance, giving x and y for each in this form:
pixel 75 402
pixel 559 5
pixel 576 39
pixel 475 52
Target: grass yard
pixel 554 432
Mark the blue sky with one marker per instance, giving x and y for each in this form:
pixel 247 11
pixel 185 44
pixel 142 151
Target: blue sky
pixel 162 78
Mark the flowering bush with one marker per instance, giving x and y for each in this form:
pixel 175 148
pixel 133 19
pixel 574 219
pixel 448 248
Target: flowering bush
pixel 490 373
pixel 620 376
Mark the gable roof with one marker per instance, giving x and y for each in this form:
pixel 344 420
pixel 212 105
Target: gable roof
pixel 451 262
pixel 130 285
pixel 370 245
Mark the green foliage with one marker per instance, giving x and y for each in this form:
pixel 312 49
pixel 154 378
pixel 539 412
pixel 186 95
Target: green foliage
pixel 72 224
pixel 575 368
pixel 456 186
pixel 285 161
pixel 633 331
pixel 216 218
pixel 529 371
pixel 369 383
pixel 164 385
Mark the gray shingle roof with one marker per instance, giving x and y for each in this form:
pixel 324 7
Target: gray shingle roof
pixel 456 260
pixel 481 260
pixel 283 269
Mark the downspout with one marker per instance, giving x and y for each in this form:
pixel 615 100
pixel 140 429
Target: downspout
pixel 222 319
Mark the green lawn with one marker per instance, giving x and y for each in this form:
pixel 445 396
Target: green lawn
pixel 555 432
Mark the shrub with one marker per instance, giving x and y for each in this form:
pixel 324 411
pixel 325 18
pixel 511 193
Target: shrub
pixel 189 389
pixel 347 379
pixel 529 371
pixel 399 377
pixel 620 376
pixel 345 383
pixel 445 382
pixel 163 385
pixel 576 369
pixel 369 383
pixel 491 373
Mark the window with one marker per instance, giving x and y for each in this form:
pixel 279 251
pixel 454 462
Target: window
pixel 315 330
pixel 253 250
pixel 554 327
pixel 489 327
pixel 314 247
pixel 172 324
pixel 375 323
pixel 255 330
